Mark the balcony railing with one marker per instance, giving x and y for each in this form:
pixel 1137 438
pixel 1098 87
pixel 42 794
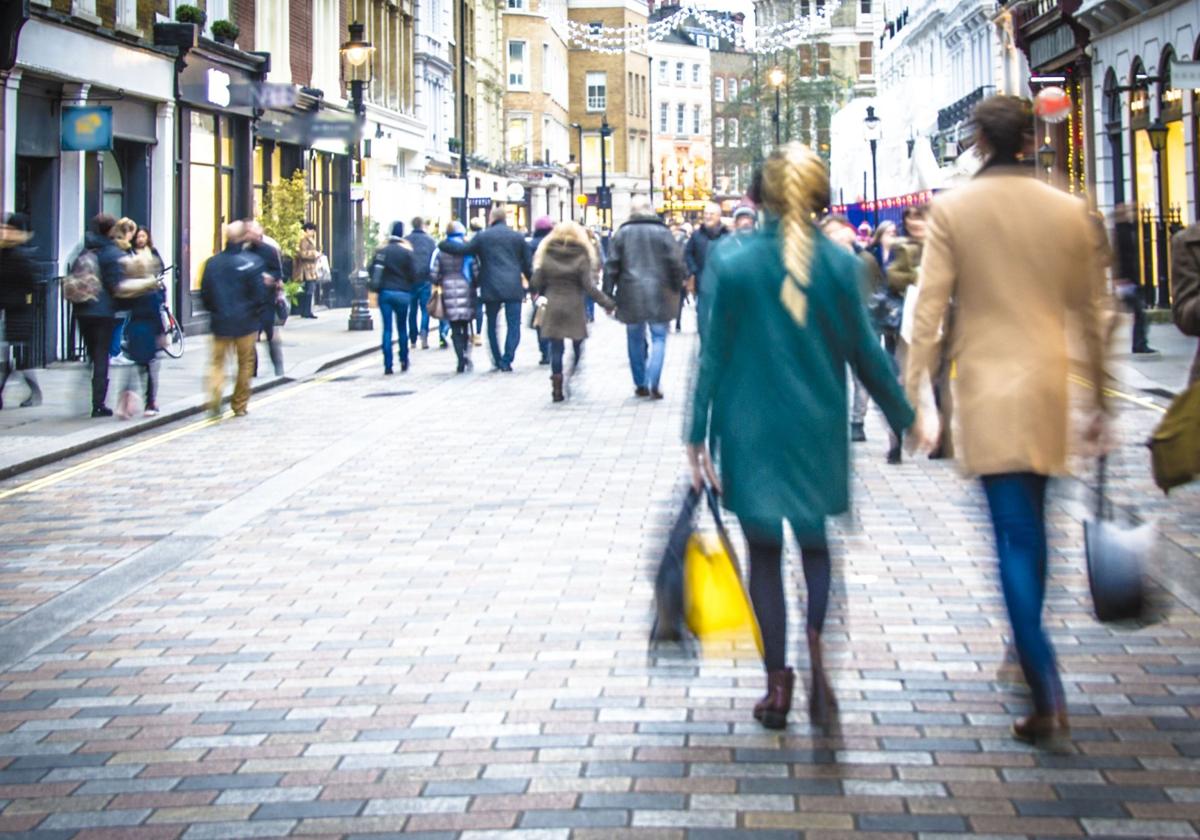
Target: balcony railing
pixel 952 115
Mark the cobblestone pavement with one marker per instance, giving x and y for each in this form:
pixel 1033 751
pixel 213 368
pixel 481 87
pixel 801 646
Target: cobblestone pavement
pixel 419 604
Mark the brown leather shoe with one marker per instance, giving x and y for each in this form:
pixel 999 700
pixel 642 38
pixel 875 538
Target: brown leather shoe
pixel 772 710
pixel 556 387
pixel 1042 730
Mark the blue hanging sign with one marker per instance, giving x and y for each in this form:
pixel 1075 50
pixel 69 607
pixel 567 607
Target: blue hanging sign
pixel 87 128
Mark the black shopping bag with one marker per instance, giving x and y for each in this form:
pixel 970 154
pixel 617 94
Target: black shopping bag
pixel 669 623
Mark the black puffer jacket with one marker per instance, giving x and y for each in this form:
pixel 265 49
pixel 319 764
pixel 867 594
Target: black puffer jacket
pixel 423 247
pixel 399 272
pixel 109 256
pixel 644 271
pixel 451 271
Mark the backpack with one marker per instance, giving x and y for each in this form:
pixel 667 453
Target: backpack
pixel 82 285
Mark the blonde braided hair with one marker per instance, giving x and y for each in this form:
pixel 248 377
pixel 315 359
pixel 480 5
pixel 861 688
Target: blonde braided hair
pixel 795 186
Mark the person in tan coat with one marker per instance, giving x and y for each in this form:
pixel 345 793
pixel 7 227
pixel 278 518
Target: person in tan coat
pixel 1185 276
pixel 1018 257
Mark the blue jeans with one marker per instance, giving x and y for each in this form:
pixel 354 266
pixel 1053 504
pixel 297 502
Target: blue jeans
pixel 394 304
pixel 647 374
pixel 512 316
pixel 114 346
pixel 420 299
pixel 1018 506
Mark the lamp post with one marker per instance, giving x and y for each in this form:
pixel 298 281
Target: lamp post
pixel 776 77
pixel 579 162
pixel 463 163
pixel 356 67
pixel 1157 133
pixel 872 129
pixel 572 171
pixel 1046 156
pixel 603 198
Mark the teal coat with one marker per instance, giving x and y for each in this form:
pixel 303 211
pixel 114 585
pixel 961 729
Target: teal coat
pixel 772 394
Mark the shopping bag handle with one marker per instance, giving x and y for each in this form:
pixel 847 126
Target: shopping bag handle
pixel 1103 508
pixel 714 505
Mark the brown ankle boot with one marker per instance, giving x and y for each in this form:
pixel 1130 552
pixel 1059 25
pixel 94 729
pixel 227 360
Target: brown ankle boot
pixel 822 705
pixel 772 710
pixel 556 387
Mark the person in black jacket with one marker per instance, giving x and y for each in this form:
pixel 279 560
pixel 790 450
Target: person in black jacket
pixel 1125 275
pixel 257 244
pixel 397 280
pixel 503 260
pixel 423 246
pixel 98 318
pixel 542 226
pixel 232 290
pixel 695 254
pixel 18 285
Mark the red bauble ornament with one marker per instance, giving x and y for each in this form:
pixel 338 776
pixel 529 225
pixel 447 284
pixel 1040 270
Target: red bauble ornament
pixel 1052 104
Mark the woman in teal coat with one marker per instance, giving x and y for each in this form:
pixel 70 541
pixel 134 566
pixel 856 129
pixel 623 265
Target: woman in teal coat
pixel 786 319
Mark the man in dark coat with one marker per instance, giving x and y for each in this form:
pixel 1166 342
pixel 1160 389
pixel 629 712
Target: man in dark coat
pixel 18 285
pixel 232 290
pixel 503 261
pixel 1125 275
pixel 423 246
pixel 98 318
pixel 258 245
pixel 696 255
pixel 645 273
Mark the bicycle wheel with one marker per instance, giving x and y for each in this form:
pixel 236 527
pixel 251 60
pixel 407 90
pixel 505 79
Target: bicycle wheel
pixel 174 347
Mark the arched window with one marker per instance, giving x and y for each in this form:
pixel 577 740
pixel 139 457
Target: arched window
pixel 1113 127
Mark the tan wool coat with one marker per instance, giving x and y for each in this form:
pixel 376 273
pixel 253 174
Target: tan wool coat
pixel 1021 261
pixel 1185 277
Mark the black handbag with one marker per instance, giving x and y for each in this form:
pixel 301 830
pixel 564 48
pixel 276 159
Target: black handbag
pixel 669 623
pixel 375 278
pixel 887 309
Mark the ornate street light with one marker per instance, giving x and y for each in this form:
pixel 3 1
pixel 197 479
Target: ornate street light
pixel 776 77
pixel 358 71
pixel 872 130
pixel 1046 156
pixel 1157 132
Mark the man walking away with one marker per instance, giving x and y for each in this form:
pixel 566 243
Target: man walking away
pixel 232 290
pixel 696 255
pixel 1125 275
pixel 97 318
pixel 645 272
pixel 503 260
pixel 423 247
pixel 1185 270
pixel 261 246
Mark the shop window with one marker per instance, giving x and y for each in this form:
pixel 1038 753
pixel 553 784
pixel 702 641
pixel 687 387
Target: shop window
pixel 210 186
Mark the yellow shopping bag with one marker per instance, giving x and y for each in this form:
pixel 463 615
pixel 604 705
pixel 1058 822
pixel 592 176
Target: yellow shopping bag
pixel 715 605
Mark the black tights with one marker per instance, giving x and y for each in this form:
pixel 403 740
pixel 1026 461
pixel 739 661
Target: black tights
pixel 765 542
pixel 461 337
pixel 557 347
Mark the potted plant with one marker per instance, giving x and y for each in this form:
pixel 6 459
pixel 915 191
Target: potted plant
pixel 225 32
pixel 454 144
pixel 191 14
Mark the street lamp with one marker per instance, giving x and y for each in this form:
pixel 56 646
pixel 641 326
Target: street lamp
pixel 357 70
pixel 572 173
pixel 873 131
pixel 776 77
pixel 1157 132
pixel 1046 156
pixel 603 199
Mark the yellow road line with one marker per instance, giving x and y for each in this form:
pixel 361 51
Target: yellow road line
pixel 166 437
pixel 1120 395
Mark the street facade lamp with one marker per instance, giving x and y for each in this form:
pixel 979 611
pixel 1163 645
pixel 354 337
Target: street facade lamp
pixel 1157 133
pixel 873 130
pixel 358 71
pixel 1046 156
pixel 579 164
pixel 776 77
pixel 604 197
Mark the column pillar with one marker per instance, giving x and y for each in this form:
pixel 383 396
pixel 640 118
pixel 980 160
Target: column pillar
pixel 165 188
pixel 72 182
pixel 9 85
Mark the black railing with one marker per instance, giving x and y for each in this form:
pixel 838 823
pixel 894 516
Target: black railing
pixel 1155 237
pixel 952 115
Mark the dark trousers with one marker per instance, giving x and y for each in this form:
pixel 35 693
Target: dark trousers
pixel 1131 296
pixel 765 546
pixel 1018 506
pixel 394 304
pixel 460 335
pixel 557 348
pixel 418 313
pixel 512 317
pixel 97 335
pixel 305 299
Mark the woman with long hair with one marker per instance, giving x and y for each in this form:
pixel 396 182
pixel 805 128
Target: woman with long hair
pixel 564 272
pixel 770 403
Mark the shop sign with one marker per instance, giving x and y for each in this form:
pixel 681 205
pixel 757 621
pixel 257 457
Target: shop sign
pixel 515 193
pixel 1058 41
pixel 456 187
pixel 87 128
pixel 217 87
pixel 1185 75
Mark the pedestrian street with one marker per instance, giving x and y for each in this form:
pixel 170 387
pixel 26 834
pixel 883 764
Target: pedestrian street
pixel 419 605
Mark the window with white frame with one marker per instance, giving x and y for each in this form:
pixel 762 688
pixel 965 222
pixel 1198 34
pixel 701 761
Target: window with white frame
pixel 679 71
pixel 733 132
pixel 664 111
pixel 216 10
pixel 597 90
pixel 127 14
pixel 662 71
pixel 516 5
pixel 516 65
pixel 695 119
pixel 695 74
pixel 547 75
pixel 719 89
pixel 719 131
pixel 680 112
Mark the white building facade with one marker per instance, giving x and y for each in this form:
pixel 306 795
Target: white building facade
pixel 681 124
pixel 435 107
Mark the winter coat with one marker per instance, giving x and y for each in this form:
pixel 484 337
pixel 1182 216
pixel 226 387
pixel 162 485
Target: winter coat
pixel 695 252
pixel 771 393
pixel 307 257
pixel 423 246
pixel 399 268
pixel 232 290
pixel 144 327
pixel 565 274
pixel 451 272
pixel 1185 275
pixel 109 256
pixel 502 259
pixel 18 285
pixel 644 271
pixel 1015 278
pixel 272 262
pixel 531 247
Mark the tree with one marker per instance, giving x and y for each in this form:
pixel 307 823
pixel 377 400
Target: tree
pixel 808 103
pixel 283 211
